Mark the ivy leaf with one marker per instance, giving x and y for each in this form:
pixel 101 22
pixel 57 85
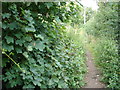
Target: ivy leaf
pixel 30 29
pixel 18 35
pixel 49 66
pixel 33 70
pixel 28 4
pixel 55 79
pixel 29 48
pixel 18 50
pixel 51 82
pixel 28 38
pixel 39 79
pixel 6 15
pixel 25 54
pixel 58 63
pixel 41 61
pixel 28 86
pixel 35 82
pixel 49 5
pixel 4 26
pixel 61 84
pixel 39 45
pixel 39 36
pixel 32 61
pixel 46 41
pixel 41 69
pixel 57 19
pixel 29 77
pixel 13 25
pixel 4 62
pixel 19 42
pixel 8 47
pixel 30 19
pixel 9 39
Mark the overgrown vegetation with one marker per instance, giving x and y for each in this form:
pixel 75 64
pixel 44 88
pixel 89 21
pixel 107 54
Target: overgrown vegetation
pixel 44 44
pixel 37 53
pixel 103 30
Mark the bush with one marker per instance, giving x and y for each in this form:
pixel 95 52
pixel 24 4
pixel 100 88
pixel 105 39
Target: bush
pixel 37 52
pixel 104 28
pixel 106 56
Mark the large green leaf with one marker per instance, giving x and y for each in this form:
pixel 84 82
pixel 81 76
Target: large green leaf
pixel 36 83
pixel 25 54
pixel 9 39
pixel 51 82
pixel 18 49
pixel 8 47
pixel 6 15
pixel 28 38
pixel 49 5
pixel 18 35
pixel 30 48
pixel 62 84
pixel 55 79
pixel 41 69
pixel 30 19
pixel 4 62
pixel 4 26
pixel 13 25
pixel 39 45
pixel 29 29
pixel 57 19
pixel 19 42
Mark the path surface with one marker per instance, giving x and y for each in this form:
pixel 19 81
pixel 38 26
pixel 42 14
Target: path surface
pixel 93 75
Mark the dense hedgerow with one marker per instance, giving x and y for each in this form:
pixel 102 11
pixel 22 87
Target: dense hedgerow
pixel 106 56
pixel 41 55
pixel 104 27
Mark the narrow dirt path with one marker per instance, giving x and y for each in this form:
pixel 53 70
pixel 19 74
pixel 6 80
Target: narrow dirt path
pixel 93 75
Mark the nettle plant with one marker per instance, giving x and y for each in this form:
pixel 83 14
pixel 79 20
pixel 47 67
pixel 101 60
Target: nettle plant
pixel 36 51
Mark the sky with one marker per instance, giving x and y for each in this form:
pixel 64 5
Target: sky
pixel 90 3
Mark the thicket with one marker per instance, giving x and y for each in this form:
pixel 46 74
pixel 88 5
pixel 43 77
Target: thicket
pixel 104 27
pixel 37 53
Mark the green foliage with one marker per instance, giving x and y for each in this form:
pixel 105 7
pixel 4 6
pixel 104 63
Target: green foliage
pixel 106 56
pixel 35 34
pixel 104 27
pixel 104 24
pixel 89 13
pixel 77 15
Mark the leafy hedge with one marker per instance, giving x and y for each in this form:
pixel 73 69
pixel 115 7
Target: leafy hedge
pixel 104 24
pixel 106 55
pixel 104 27
pixel 36 51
